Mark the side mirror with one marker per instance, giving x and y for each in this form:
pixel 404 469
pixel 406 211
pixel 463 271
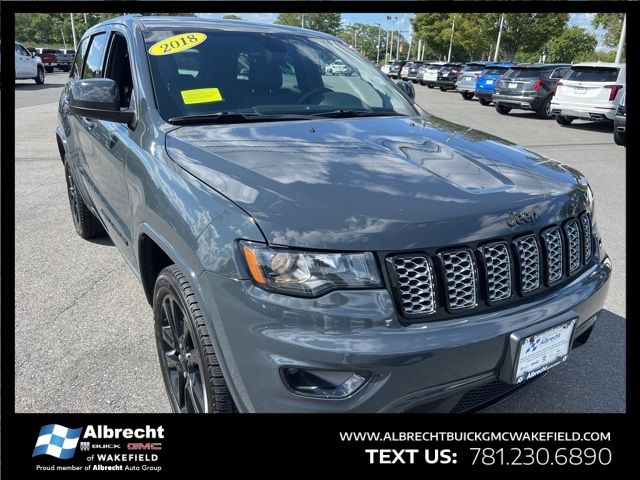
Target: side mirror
pixel 98 98
pixel 33 54
pixel 407 89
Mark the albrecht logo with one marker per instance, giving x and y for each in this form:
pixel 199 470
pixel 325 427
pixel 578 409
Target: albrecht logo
pixel 57 441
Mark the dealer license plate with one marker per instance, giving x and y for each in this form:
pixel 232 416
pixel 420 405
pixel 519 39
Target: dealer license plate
pixel 542 351
pixel 467 79
pixel 489 82
pixel 579 90
pixel 512 85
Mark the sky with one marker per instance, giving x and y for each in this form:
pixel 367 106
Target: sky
pixel 403 22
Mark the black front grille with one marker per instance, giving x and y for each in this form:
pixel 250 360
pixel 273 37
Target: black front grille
pixel 476 397
pixel 451 281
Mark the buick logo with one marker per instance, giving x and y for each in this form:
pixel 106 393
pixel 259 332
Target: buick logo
pixel 518 218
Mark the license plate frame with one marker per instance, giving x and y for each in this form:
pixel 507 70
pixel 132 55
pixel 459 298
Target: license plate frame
pixel 509 368
pixel 579 91
pixel 512 85
pixel 489 82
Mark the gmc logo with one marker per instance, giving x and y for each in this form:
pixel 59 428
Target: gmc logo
pixel 144 446
pixel 520 218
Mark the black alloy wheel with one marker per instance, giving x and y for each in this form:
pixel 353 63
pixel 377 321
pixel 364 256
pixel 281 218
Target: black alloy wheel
pixel 72 192
pixel 467 95
pixel 181 361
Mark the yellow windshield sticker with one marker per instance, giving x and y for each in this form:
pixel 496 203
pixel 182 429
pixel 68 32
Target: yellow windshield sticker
pixel 177 43
pixel 201 95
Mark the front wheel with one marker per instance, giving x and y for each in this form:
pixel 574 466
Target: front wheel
pixel 545 110
pixel 85 222
pixel 502 110
pixel 619 138
pixel 40 76
pixel 483 101
pixel 563 120
pixel 190 368
pixel 467 95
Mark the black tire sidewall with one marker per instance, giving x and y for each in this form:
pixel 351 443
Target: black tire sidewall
pixel 166 283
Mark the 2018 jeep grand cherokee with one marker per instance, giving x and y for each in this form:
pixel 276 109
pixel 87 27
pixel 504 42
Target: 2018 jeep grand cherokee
pixel 315 243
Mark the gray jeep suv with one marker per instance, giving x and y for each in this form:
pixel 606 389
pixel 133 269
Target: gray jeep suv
pixel 317 243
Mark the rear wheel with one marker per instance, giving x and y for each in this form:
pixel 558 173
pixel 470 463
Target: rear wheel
pixel 563 120
pixel 87 225
pixel 502 110
pixel 423 83
pixel 190 368
pixel 429 85
pixel 467 95
pixel 545 110
pixel 40 76
pixel 483 101
pixel 443 89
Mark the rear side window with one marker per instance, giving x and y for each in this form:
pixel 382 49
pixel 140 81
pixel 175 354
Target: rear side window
pixel 79 60
pixel 93 65
pixel 559 72
pixel 592 74
pixel 494 71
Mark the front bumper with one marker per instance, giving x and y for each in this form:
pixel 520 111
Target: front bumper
pixel 517 101
pixel 584 111
pixel 429 364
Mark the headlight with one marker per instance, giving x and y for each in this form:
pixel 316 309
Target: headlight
pixel 309 274
pixel 590 204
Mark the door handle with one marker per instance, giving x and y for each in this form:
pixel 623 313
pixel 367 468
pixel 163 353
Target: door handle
pixel 88 123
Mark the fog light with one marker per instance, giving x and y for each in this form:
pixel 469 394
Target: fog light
pixel 323 383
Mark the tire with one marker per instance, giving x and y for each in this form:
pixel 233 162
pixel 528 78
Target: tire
pixel 414 81
pixel 545 109
pixel 87 225
pixel 467 95
pixel 442 89
pixel 423 83
pixel 429 85
pixel 563 120
pixel 502 110
pixel 619 138
pixel 190 369
pixel 49 69
pixel 483 101
pixel 40 76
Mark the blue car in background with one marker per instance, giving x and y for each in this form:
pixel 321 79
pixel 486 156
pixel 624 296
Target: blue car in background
pixel 486 82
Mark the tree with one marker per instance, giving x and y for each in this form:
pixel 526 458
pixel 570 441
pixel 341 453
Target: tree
pixel 322 22
pixel 529 32
pixel 612 25
pixel 570 44
pixel 598 55
pixel 232 16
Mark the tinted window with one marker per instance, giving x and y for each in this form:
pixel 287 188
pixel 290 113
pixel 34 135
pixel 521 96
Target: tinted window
pixel 525 73
pixel 495 71
pixel 593 74
pixel 559 72
pixel 18 49
pixel 77 65
pixel 93 65
pixel 118 68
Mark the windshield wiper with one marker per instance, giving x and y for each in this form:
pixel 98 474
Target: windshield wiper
pixel 235 117
pixel 346 113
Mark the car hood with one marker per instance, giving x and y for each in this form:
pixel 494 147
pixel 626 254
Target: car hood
pixel 377 183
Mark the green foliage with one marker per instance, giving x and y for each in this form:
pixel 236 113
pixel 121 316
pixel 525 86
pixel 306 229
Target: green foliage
pixel 570 44
pixel 529 32
pixel 322 22
pixel 612 25
pixel 232 16
pixel 598 55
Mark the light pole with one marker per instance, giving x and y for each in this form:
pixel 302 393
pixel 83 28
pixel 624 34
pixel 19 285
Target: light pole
pixel 393 20
pixel 378 46
pixel 621 41
pixel 302 22
pixel 85 21
pixel 495 55
pixel 409 49
pixel 73 32
pixel 453 27
pixel 63 39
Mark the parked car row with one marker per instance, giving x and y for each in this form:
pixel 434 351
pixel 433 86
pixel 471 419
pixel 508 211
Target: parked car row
pixel 588 90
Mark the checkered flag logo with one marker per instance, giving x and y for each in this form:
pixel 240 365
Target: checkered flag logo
pixel 57 441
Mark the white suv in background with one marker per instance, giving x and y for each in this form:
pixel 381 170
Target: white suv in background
pixel 590 91
pixel 430 76
pixel 28 65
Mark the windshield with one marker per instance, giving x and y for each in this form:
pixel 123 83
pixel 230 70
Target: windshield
pixel 213 71
pixel 592 74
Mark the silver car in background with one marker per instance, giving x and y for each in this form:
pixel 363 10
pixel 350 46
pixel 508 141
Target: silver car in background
pixel 466 83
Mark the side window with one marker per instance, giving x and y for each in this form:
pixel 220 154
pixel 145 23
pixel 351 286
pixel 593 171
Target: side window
pixel 118 68
pixel 93 64
pixel 24 51
pixel 79 59
pixel 18 52
pixel 558 73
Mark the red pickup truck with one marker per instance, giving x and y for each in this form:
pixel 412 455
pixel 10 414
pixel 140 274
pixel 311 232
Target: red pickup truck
pixel 49 58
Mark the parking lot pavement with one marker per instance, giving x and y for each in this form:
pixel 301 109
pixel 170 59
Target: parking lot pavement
pixel 84 332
